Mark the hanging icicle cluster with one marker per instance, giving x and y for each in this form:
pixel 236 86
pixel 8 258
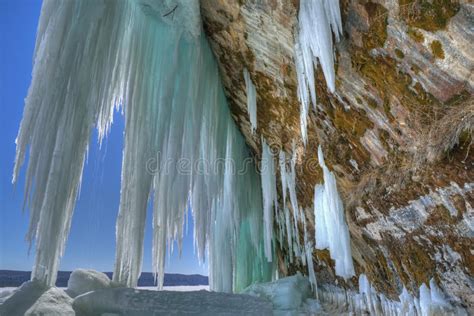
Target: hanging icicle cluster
pixel 368 301
pixel 181 144
pixel 316 19
pixel 331 229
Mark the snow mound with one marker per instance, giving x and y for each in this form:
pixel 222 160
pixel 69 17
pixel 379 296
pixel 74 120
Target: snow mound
pixel 286 294
pixel 54 302
pixel 133 302
pixel 82 281
pixel 22 298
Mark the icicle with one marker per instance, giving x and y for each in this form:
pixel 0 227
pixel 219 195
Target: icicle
pixel 368 302
pixel 437 296
pixel 320 229
pixel 292 188
pixel 308 250
pixel 283 175
pixel 289 233
pixel 331 228
pixel 269 194
pixel 433 302
pixel 366 289
pixel 407 303
pixel 314 42
pixel 425 300
pixel 251 100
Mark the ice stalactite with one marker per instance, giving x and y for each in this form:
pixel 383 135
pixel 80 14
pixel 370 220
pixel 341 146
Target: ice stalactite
pixel 251 100
pixel 365 302
pixel 433 302
pixel 331 231
pixel 60 110
pixel 269 193
pixel 369 294
pixel 316 19
pixel 407 303
pixel 288 185
pixel 291 184
pixel 286 212
pixel 308 252
pixel 150 58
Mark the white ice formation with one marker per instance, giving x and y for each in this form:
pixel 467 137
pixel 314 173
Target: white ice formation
pixel 314 43
pixel 331 228
pixel 289 296
pixel 251 100
pixel 288 186
pixel 368 301
pixel 269 193
pixel 148 58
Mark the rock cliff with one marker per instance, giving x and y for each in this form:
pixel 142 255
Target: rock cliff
pixel 397 132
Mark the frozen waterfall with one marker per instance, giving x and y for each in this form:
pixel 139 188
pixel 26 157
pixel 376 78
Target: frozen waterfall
pixel 149 59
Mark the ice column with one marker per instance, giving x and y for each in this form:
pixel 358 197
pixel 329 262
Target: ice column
pixel 269 194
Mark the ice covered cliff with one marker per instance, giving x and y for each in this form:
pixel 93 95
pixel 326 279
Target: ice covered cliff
pixel 396 130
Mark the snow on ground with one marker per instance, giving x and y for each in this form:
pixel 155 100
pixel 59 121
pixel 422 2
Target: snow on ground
pixel 287 296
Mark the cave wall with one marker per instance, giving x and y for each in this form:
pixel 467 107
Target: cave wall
pixel 397 132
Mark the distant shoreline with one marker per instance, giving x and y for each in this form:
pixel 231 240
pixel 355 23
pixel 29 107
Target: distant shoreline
pixel 14 278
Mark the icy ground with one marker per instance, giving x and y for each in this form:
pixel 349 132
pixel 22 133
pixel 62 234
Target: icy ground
pixel 91 293
pixel 30 299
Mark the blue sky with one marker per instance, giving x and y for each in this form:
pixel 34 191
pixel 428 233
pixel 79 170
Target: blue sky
pixel 91 243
